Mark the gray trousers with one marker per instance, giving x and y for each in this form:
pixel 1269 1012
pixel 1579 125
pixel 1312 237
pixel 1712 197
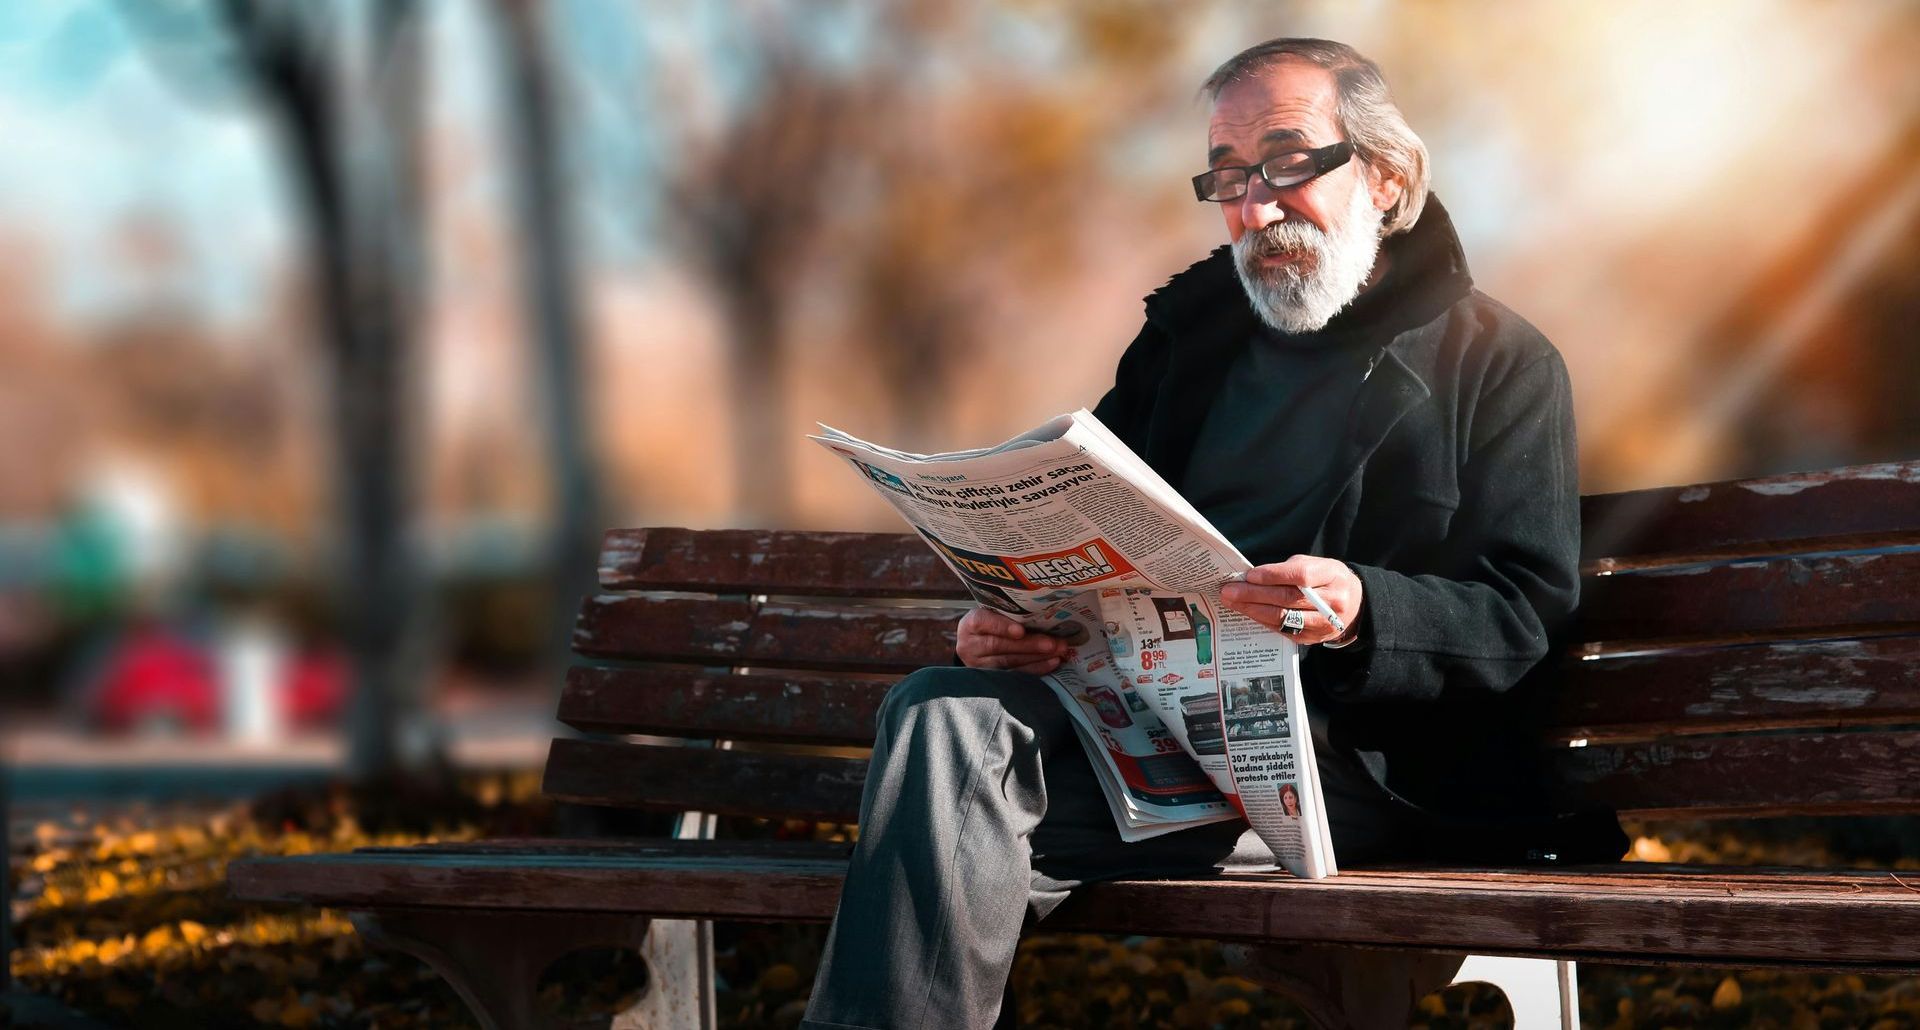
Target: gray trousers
pixel 980 806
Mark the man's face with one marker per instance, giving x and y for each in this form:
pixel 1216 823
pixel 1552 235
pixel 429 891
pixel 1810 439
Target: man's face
pixel 1303 251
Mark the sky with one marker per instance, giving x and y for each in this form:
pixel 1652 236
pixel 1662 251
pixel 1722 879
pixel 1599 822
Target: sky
pixel 101 125
pixel 96 132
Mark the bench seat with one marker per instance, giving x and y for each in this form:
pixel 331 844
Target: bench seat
pixel 1624 912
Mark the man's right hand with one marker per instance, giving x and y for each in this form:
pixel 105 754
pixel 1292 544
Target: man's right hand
pixel 990 640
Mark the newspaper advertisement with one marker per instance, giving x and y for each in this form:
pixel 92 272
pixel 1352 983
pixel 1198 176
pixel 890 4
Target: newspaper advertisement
pixel 1191 712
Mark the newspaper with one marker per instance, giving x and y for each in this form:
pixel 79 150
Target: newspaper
pixel 1191 712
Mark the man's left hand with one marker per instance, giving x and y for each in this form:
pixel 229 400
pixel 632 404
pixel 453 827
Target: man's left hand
pixel 1269 591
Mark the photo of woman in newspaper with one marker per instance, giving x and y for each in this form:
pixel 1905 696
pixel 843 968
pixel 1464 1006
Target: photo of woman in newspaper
pixel 1289 800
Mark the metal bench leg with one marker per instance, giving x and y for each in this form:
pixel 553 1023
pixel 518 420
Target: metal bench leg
pixel 1346 988
pixel 494 959
pixel 1543 992
pixel 679 954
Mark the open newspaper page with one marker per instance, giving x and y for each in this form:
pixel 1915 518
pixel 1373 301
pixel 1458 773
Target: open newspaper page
pixel 1191 712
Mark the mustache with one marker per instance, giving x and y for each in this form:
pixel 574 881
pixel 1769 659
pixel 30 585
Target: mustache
pixel 1289 237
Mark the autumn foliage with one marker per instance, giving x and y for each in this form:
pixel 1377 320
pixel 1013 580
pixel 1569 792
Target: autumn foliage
pixel 127 919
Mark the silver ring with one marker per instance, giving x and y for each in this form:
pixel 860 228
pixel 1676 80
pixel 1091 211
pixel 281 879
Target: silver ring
pixel 1294 621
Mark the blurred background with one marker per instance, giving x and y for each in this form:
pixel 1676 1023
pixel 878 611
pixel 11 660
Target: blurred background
pixel 354 323
pixel 333 334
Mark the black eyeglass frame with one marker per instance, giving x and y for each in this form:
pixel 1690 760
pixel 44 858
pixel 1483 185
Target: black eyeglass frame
pixel 1321 161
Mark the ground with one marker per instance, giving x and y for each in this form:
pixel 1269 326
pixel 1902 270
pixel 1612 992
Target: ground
pixel 126 919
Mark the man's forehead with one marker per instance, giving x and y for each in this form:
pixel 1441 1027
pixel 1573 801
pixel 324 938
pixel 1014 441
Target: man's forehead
pixel 1287 102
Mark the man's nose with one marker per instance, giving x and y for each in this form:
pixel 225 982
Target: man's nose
pixel 1260 207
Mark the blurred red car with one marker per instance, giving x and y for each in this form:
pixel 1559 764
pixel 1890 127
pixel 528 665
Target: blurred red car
pixel 156 678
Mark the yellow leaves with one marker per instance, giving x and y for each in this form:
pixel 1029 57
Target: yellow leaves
pixel 347 829
pixel 1727 995
pixel 124 862
pixel 157 940
pixel 1650 849
pixel 102 885
pixel 131 913
pixel 114 950
pixel 1232 1008
pixel 779 977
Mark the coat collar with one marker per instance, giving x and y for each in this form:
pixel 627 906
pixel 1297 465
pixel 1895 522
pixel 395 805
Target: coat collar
pixel 1428 274
pixel 1208 320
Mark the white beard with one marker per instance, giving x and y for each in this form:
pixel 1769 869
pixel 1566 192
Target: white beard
pixel 1303 296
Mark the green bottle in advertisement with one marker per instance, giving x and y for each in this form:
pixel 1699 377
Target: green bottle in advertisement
pixel 1202 635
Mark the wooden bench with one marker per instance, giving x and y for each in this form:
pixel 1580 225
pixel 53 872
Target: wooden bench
pixel 1732 661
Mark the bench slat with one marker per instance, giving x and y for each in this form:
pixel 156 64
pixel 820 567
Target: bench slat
pixel 746 561
pixel 1790 599
pixel 1754 776
pixel 1866 773
pixel 1776 686
pixel 1861 506
pixel 1821 918
pixel 824 636
pixel 1752 601
pixel 1822 684
pixel 1838 509
pixel 595 772
pixel 801 708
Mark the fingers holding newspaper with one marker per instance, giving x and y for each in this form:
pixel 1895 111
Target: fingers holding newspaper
pixel 990 640
pixel 1270 592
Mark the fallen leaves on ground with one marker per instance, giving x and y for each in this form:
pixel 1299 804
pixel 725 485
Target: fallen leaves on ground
pixel 128 920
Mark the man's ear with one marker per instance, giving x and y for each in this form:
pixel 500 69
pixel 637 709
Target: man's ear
pixel 1385 189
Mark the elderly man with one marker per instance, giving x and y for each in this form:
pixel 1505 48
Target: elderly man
pixel 1332 392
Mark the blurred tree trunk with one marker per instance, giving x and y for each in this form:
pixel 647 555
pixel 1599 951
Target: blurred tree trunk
pixel 757 383
pixel 751 201
pixel 352 134
pixel 6 882
pixel 550 306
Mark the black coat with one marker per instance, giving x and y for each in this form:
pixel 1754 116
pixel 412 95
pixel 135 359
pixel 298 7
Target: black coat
pixel 1459 512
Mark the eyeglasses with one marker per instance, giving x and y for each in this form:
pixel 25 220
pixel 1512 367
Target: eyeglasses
pixel 1292 168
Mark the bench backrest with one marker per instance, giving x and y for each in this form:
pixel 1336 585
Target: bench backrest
pixel 1731 659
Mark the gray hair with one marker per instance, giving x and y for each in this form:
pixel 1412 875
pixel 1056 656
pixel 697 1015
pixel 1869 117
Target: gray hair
pixel 1363 108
